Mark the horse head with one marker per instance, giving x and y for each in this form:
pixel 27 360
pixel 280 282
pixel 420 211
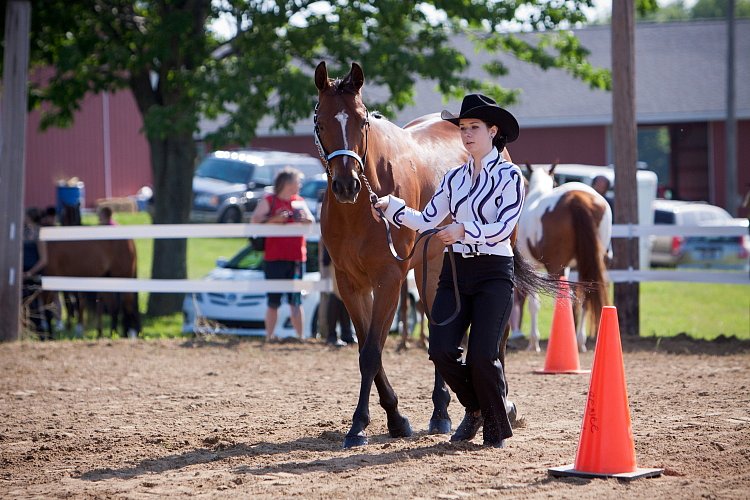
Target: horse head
pixel 541 179
pixel 341 128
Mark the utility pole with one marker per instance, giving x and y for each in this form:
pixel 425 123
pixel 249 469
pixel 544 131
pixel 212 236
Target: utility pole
pixel 730 183
pixel 12 163
pixel 624 132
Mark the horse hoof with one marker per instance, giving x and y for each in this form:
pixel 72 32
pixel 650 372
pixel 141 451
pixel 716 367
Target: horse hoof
pixel 512 413
pixel 440 426
pixel 402 429
pixel 356 440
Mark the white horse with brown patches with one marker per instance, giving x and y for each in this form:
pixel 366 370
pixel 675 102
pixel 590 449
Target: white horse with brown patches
pixel 561 226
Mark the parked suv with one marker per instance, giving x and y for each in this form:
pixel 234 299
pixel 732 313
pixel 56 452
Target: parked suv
pixel 668 250
pixel 228 185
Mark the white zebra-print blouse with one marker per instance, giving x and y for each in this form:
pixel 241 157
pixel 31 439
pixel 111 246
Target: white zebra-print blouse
pixel 489 209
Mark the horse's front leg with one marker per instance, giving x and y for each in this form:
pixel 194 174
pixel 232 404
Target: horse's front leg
pixel 358 302
pixel 385 302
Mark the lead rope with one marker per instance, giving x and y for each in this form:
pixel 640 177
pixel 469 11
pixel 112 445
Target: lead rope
pixel 427 235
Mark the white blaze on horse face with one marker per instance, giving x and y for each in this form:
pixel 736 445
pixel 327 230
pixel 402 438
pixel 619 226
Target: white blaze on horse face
pixel 342 118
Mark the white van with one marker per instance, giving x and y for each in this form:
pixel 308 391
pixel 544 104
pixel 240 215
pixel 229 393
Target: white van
pixel 646 180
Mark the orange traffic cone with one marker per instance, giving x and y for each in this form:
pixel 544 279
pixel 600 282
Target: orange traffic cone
pixel 562 348
pixel 606 447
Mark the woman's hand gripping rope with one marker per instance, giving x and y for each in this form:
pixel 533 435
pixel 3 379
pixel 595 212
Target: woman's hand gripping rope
pixel 447 234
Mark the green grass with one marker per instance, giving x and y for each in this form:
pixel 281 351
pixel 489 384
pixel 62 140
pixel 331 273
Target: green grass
pixel 703 311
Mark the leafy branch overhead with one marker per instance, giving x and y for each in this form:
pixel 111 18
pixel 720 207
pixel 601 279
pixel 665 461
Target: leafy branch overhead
pixel 181 65
pixel 243 61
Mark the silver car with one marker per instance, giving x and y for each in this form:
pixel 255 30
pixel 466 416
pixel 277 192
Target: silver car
pixel 668 250
pixel 718 252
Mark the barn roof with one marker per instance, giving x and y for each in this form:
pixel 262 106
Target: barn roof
pixel 680 77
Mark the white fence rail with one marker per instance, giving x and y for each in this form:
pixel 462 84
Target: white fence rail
pixel 175 231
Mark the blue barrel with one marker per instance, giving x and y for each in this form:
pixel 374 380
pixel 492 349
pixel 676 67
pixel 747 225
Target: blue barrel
pixel 70 196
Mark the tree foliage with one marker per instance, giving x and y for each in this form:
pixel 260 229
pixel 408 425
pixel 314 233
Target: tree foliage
pixel 264 67
pixel 677 10
pixel 181 68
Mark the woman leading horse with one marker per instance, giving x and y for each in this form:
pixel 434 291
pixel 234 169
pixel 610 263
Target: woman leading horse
pixel 362 150
pixel 483 199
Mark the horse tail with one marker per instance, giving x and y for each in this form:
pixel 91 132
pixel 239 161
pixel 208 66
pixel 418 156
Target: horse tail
pixel 589 256
pixel 527 280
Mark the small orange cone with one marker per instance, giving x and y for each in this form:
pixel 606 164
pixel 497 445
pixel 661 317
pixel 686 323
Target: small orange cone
pixel 562 348
pixel 606 447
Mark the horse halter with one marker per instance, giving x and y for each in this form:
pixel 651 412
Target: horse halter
pixel 340 152
pixel 373 199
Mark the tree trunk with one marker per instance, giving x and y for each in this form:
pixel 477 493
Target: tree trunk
pixel 624 130
pixel 172 163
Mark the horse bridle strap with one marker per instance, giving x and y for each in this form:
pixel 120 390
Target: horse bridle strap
pixel 347 152
pixel 427 235
pixel 340 152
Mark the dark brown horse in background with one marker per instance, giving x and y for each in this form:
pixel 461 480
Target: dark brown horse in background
pixel 99 259
pixel 360 147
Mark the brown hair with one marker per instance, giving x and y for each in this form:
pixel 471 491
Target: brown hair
pixel 285 175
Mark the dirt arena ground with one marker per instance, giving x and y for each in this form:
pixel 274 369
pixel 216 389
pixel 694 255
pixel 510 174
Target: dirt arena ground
pixel 221 418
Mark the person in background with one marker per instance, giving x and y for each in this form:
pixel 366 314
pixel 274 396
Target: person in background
pixel 105 216
pixel 34 262
pixel 600 183
pixel 336 313
pixel 284 257
pixel 49 217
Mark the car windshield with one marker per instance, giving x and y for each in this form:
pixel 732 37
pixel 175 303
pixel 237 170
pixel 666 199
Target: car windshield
pixel 249 259
pixel 235 172
pixel 663 217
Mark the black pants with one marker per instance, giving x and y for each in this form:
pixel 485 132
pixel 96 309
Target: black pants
pixel 485 284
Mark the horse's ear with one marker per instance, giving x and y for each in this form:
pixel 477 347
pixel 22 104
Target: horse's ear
pixel 528 166
pixel 356 76
pixel 321 76
pixel 552 170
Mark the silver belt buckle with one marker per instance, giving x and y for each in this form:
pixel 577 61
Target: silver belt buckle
pixel 467 255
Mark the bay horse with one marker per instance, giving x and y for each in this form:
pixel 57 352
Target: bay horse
pixel 360 150
pixel 559 226
pixel 99 259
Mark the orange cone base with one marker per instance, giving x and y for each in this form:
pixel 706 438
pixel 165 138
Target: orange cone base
pixel 561 372
pixel 568 470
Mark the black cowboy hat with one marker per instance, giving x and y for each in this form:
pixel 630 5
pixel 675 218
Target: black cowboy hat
pixel 483 108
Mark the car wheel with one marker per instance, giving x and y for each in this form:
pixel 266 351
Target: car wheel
pixel 231 215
